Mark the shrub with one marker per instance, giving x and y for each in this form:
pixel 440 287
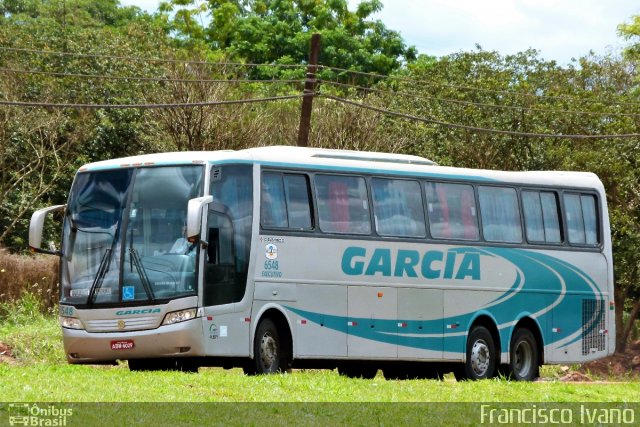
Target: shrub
pixel 27 274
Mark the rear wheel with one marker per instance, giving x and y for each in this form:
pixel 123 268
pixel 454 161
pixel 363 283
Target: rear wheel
pixel 524 358
pixel 481 356
pixel 269 354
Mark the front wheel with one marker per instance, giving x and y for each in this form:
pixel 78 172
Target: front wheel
pixel 481 356
pixel 524 358
pixel 269 354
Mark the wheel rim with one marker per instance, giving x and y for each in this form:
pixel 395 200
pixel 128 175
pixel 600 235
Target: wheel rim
pixel 480 358
pixel 268 351
pixel 523 359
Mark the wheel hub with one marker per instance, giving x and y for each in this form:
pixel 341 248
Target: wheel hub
pixel 523 358
pixel 268 351
pixel 480 358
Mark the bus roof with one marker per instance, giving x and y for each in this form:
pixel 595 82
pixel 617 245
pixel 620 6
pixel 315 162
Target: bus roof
pixel 357 161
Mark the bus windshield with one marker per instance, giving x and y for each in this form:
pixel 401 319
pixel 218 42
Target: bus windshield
pixel 123 238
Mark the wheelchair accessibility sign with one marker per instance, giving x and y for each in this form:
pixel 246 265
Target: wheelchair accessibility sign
pixel 128 293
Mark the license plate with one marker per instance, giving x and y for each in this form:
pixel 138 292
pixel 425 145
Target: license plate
pixel 122 345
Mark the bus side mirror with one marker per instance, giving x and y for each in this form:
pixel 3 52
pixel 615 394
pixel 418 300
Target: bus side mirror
pixel 194 217
pixel 36 227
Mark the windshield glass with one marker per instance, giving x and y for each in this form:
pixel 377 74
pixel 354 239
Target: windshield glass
pixel 123 239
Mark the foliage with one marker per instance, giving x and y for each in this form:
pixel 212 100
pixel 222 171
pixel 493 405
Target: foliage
pixel 631 31
pixel 277 31
pixel 40 149
pixel 23 276
pixel 86 13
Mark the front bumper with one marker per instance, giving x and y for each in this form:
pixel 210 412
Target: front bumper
pixel 183 339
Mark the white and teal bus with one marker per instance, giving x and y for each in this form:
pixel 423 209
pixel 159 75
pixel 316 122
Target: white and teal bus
pixel 278 257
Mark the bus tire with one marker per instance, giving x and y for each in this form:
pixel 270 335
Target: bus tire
pixel 524 358
pixel 481 356
pixel 269 355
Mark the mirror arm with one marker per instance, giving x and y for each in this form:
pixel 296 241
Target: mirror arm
pixel 46 251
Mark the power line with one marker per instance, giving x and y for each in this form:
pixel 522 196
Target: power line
pixel 137 78
pixel 474 128
pixel 291 66
pixel 148 106
pixel 478 89
pixel 139 59
pixel 476 104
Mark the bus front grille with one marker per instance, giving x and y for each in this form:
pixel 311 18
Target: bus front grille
pixel 593 326
pixel 124 324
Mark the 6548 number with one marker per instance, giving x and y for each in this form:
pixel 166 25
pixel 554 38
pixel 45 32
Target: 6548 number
pixel 270 264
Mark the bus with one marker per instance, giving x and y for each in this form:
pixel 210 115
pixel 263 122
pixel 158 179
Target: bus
pixel 282 257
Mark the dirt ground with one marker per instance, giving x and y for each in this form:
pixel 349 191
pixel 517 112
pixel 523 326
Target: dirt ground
pixel 619 366
pixel 5 354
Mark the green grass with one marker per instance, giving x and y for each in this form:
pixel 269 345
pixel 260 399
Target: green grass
pixel 228 397
pixel 34 336
pixel 66 383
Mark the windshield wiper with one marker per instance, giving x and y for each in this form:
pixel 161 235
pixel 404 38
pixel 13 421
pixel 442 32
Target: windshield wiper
pixel 105 262
pixel 142 273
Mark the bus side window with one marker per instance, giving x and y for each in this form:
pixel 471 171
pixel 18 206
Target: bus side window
pixel 286 201
pixel 273 207
pixel 541 217
pixel 397 206
pixel 500 214
pixel 590 216
pixel 575 221
pixel 298 197
pixel 452 211
pixel 551 216
pixel 582 218
pixel 342 204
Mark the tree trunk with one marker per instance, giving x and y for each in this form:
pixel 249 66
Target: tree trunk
pixel 628 327
pixel 620 296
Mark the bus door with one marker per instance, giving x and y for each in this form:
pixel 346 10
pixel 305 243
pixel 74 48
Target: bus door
pixel 226 262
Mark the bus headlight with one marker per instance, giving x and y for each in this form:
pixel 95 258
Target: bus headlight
pixel 70 323
pixel 179 316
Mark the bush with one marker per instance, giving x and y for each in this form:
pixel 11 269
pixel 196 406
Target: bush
pixel 35 276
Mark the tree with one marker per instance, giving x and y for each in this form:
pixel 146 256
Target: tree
pixel 279 31
pixel 87 13
pixel 630 31
pixel 40 149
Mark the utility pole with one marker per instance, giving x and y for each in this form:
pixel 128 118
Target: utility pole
pixel 309 90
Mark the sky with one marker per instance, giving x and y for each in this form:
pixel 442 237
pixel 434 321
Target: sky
pixel 559 29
